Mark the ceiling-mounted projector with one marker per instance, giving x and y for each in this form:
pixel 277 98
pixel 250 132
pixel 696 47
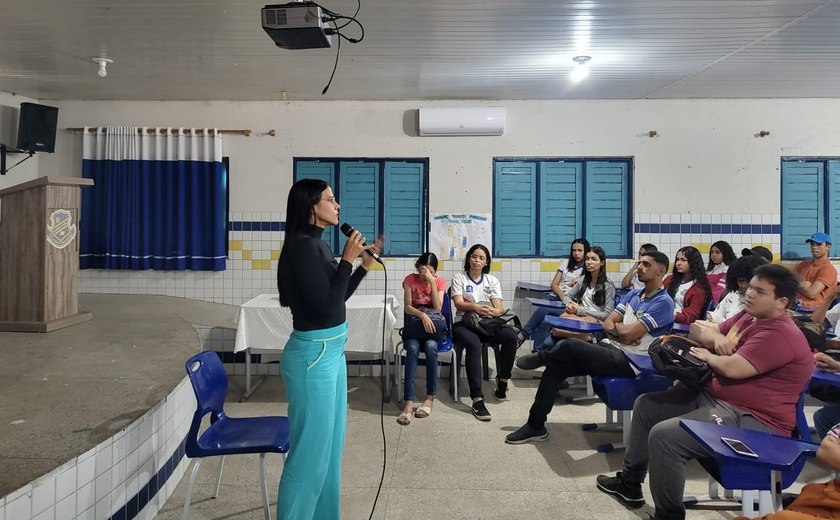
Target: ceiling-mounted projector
pixel 296 25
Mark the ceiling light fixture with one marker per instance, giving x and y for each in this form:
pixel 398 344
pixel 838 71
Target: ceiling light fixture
pixel 582 69
pixel 103 64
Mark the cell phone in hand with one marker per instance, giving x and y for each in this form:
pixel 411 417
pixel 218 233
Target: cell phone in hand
pixel 739 447
pixel 835 431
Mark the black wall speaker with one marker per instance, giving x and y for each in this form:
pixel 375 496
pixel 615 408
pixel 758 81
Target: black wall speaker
pixel 36 128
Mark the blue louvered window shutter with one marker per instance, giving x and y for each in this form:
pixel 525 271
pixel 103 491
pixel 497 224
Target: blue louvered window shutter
pixel 607 206
pixel 359 198
pixel 515 209
pixel 324 171
pixel 833 189
pixel 404 203
pixel 803 205
pixel 561 206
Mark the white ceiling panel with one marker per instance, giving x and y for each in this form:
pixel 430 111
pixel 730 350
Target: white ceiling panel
pixel 430 49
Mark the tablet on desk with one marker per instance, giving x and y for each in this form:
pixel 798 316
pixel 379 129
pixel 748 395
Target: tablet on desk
pixel 739 447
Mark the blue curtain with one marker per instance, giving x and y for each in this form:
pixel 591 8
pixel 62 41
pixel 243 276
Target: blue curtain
pixel 163 215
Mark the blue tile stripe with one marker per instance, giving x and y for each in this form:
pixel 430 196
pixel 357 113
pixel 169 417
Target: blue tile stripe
pixel 754 229
pixel 136 503
pixel 253 225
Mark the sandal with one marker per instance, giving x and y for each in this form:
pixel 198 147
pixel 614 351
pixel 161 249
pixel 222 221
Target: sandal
pixel 404 418
pixel 423 412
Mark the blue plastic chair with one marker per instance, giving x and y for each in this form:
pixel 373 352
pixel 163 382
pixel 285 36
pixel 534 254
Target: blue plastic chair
pixel 444 346
pixel 620 393
pixel 227 435
pixel 780 460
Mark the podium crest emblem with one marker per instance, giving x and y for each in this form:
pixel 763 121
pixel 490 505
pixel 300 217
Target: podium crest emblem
pixel 61 230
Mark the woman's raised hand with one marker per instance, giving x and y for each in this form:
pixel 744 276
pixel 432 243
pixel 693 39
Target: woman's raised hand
pixel 354 247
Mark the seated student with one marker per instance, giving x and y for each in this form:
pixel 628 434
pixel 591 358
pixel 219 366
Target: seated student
pixel 759 251
pixel 591 299
pixel 688 285
pixel 566 276
pixel 721 257
pixel 631 280
pixel 760 363
pixel 737 281
pixel 478 291
pixel 423 298
pixel 816 500
pixel 818 275
pixel 642 315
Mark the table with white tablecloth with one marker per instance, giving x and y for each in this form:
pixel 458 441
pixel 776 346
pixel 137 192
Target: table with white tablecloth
pixel 265 326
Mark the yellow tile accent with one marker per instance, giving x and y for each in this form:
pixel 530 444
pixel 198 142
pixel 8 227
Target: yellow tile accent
pixel 703 248
pixel 548 266
pixel 613 267
pixel 375 266
pixel 275 254
pixel 246 254
pixel 235 245
pixel 263 265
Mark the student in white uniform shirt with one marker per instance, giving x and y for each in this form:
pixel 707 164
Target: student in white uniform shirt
pixel 477 290
pixel 738 278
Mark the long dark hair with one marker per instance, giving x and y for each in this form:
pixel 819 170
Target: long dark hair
pixel 600 284
pixel 572 263
pixel 486 268
pixel 741 269
pixel 303 196
pixel 728 254
pixel 697 272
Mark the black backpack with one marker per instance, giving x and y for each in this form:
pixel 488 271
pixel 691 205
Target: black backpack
pixel 671 356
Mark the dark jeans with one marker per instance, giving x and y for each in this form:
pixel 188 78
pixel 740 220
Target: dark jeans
pixel 537 328
pixel 657 440
pixel 573 357
pixel 471 342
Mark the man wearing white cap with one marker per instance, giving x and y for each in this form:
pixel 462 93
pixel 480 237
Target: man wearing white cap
pixel 818 276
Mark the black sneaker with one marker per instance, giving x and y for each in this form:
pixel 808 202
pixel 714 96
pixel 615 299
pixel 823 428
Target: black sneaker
pixel 501 390
pixel 630 494
pixel 480 411
pixel 527 434
pixel 529 361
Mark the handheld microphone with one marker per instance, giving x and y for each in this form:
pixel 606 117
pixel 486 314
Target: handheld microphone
pixel 348 230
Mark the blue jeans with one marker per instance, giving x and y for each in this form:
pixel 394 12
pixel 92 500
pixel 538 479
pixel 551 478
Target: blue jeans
pixel 412 352
pixel 826 417
pixel 537 328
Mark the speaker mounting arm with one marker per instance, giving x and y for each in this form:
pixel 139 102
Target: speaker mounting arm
pixel 4 150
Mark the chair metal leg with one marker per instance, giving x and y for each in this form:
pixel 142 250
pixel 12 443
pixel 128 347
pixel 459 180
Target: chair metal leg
pixel 264 488
pixel 625 418
pixel 219 477
pixel 747 503
pixel 485 362
pixel 185 514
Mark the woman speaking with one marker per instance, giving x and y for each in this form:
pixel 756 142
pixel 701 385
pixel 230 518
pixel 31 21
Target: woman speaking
pixel 314 286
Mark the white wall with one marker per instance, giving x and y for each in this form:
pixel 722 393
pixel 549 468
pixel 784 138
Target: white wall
pixel 706 159
pixel 9 109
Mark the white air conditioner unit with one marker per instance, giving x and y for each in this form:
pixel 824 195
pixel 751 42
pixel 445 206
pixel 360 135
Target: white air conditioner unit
pixel 462 121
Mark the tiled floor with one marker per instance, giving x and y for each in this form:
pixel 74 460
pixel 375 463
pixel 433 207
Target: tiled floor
pixel 448 465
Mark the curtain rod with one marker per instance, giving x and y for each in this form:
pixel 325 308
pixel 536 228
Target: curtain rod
pixel 197 131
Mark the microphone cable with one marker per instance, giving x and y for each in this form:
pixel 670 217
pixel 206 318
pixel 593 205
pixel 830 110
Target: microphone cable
pixel 384 379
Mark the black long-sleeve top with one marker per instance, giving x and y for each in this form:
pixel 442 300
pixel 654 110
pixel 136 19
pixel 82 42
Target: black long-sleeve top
pixel 312 284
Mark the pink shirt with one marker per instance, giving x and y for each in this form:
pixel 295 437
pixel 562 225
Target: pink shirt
pixel 780 353
pixel 421 292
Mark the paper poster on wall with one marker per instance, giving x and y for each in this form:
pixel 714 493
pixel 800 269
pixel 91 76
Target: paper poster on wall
pixel 453 234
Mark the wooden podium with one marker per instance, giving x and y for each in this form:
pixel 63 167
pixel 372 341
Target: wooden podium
pixel 39 255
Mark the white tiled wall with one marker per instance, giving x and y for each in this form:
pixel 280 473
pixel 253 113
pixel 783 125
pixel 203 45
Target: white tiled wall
pixel 99 483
